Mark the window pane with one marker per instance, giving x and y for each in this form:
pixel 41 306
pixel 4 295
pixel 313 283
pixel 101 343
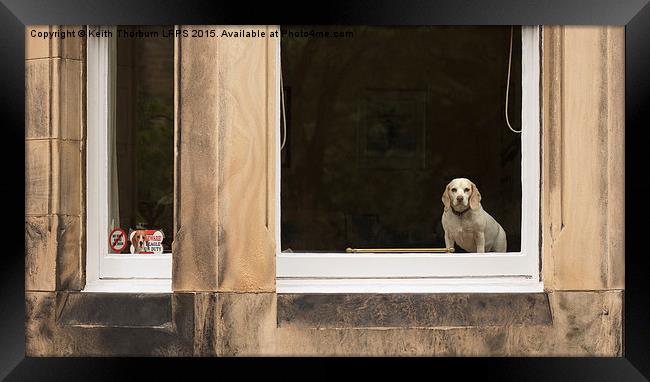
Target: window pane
pixel 380 122
pixel 142 187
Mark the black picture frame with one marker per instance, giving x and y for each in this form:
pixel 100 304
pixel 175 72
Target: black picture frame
pixel 635 14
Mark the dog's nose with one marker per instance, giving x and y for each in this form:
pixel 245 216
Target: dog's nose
pixel 459 198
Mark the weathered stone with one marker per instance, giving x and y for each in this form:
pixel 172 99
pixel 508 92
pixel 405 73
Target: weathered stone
pixel 246 164
pixel 583 324
pixel 583 152
pixel 38 86
pixel 67 181
pixel 69 47
pixel 38 177
pixel 67 104
pixel 70 265
pixel 225 131
pixel 47 336
pixel 53 98
pixel 40 252
pixel 196 245
pixel 412 310
pixel 115 310
pixel 36 47
pixel 53 255
pixel 205 328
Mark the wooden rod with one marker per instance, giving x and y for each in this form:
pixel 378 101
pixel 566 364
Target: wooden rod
pixel 399 250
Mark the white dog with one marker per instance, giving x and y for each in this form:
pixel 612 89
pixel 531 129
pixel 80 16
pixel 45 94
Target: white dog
pixel 466 222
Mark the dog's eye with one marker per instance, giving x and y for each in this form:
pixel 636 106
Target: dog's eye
pixel 453 190
pixel 467 190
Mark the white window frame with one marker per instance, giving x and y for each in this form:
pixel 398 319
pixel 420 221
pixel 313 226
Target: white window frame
pixel 513 272
pixel 110 272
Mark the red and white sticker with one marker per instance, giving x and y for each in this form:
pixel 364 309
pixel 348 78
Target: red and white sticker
pixel 146 241
pixel 117 240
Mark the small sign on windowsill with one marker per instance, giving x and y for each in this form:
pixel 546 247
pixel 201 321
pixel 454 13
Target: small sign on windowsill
pixel 117 240
pixel 146 241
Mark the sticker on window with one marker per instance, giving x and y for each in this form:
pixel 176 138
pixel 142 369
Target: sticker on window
pixel 117 240
pixel 146 241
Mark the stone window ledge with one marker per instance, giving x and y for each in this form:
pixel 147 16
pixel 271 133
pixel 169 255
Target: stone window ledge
pixel 115 310
pixel 412 310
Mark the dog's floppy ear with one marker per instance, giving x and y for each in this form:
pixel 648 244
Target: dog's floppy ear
pixel 445 197
pixel 475 199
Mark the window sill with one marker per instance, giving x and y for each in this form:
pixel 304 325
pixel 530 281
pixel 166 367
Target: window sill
pixel 129 286
pixel 514 284
pixel 412 310
pixel 116 310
